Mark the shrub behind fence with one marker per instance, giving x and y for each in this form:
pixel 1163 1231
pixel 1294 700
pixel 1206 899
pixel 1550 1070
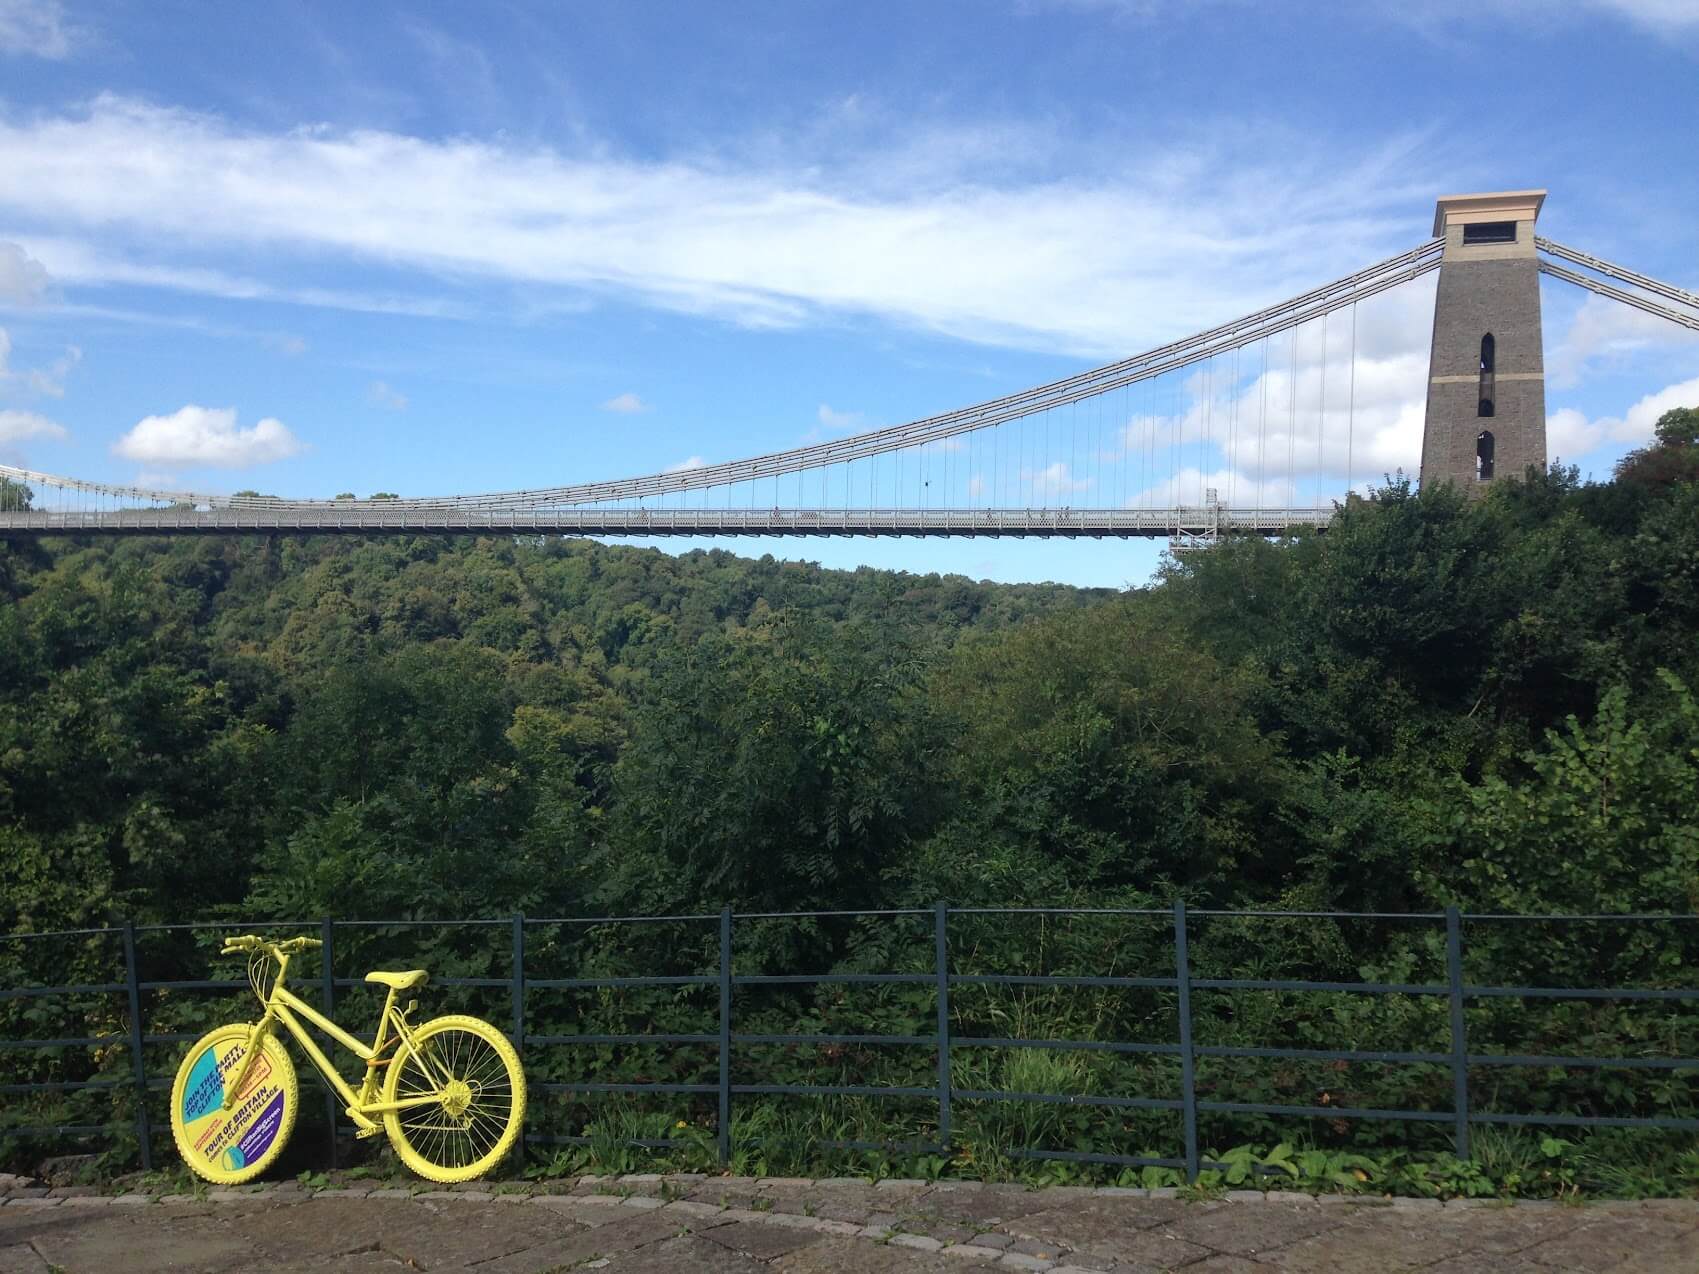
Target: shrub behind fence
pixel 1124 1038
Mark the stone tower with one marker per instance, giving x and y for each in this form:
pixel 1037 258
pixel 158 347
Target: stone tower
pixel 1486 416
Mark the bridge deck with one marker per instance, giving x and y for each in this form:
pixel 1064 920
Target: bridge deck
pixel 1156 523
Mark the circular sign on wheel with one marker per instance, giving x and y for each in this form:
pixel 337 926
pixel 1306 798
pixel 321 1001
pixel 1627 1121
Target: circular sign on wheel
pixel 233 1141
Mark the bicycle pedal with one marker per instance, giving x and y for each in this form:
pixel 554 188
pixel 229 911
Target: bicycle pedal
pixel 360 1134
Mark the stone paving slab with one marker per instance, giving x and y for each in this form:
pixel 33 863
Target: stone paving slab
pixel 651 1223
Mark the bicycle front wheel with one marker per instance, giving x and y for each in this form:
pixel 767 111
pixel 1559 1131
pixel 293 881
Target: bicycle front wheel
pixel 231 1143
pixel 465 1095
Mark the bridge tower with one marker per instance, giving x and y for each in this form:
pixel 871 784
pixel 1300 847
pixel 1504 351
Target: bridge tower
pixel 1486 418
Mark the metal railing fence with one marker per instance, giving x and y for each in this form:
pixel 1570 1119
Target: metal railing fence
pixel 941 981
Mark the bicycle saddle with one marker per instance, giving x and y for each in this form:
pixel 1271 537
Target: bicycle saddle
pixel 403 981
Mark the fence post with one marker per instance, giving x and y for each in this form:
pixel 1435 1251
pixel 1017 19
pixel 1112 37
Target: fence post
pixel 1459 1034
pixel 327 994
pixel 133 985
pixel 1188 1078
pixel 519 1008
pixel 725 1036
pixel 941 942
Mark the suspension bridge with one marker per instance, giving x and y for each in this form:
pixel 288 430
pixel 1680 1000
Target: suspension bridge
pixel 1250 427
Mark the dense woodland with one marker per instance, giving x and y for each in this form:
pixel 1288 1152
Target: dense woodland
pixel 1488 703
pixel 1437 701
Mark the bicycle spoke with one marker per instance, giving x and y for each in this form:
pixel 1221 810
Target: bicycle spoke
pixel 476 1098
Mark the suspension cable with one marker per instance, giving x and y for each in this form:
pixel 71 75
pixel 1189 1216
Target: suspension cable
pixel 1026 403
pixel 1286 316
pixel 1637 300
pixel 1619 272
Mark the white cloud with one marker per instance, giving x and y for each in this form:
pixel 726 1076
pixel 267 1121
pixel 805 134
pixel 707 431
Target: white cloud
pixel 1186 235
pixel 206 436
pixel 15 426
pixel 1189 487
pixel 23 279
pixel 1607 332
pixel 1263 433
pixel 36 28
pixel 380 394
pixel 685 466
pixel 74 261
pixel 625 404
pixel 1570 434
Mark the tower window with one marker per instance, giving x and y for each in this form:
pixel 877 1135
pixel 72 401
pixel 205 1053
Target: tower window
pixel 1484 399
pixel 1484 454
pixel 1489 232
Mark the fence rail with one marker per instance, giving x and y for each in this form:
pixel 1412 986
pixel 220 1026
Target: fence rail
pixel 1462 1114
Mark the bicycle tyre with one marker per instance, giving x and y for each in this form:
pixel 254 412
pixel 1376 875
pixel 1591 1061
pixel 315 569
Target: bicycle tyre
pixel 467 1132
pixel 228 1147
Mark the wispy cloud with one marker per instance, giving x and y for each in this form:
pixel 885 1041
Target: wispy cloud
pixel 1447 21
pixel 625 404
pixel 208 436
pixel 73 261
pixel 838 420
pixel 1657 14
pixel 685 466
pixel 15 426
pixel 1185 235
pixel 286 343
pixel 36 28
pixel 1654 15
pixel 46 381
pixel 381 394
pixel 1056 480
pixel 23 279
pixel 1604 333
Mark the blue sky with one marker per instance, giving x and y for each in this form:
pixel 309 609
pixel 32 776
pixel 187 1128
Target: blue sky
pixel 431 248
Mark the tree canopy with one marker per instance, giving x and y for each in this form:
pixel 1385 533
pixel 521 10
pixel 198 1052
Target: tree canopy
pixel 1440 698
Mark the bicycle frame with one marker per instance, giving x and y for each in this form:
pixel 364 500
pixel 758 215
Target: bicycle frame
pixel 283 1005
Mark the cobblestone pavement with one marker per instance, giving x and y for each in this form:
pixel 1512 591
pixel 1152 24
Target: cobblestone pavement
pixel 738 1225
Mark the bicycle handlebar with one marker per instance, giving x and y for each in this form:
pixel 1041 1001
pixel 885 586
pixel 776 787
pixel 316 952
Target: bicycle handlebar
pixel 252 942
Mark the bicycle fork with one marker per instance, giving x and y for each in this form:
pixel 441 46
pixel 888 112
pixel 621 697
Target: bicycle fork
pixel 254 1047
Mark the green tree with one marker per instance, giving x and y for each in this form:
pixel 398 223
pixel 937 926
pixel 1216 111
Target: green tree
pixel 1673 456
pixel 785 767
pixel 15 496
pixel 1604 821
pixel 1102 750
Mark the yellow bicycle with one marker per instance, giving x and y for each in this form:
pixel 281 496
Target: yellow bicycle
pixel 450 1094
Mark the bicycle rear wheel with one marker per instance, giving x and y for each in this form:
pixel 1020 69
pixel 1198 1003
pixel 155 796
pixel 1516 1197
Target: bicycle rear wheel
pixel 475 1088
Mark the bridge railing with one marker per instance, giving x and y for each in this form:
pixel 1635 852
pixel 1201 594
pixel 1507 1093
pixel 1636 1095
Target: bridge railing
pixel 1208 520
pixel 107 1039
